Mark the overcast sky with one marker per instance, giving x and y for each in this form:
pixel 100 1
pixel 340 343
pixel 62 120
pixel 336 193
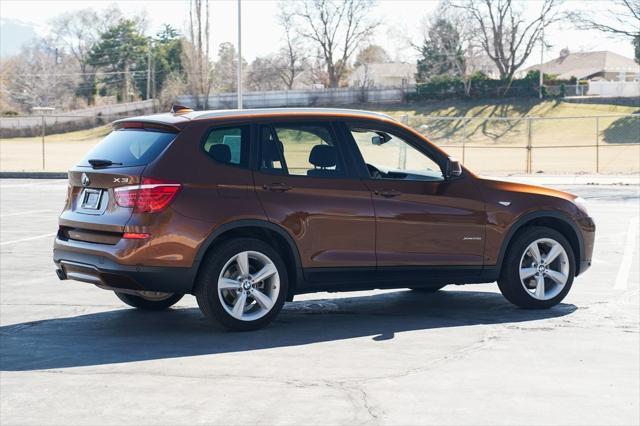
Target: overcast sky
pixel 261 34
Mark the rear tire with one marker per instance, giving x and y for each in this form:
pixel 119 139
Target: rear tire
pixel 149 304
pixel 242 285
pixel 529 279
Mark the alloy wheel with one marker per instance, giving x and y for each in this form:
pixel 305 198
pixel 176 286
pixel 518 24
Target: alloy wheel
pixel 248 285
pixel 544 269
pixel 154 296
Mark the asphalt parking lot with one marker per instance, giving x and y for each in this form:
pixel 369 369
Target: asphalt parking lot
pixel 73 354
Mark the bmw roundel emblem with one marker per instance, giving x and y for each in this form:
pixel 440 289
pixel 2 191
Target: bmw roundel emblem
pixel 85 180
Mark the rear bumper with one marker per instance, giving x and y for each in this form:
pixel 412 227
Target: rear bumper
pixel 104 272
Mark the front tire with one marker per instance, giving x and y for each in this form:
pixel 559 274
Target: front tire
pixel 538 270
pixel 243 284
pixel 155 302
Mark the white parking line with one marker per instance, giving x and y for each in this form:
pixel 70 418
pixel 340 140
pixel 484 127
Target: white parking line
pixel 44 182
pixel 25 213
pixel 37 237
pixel 627 258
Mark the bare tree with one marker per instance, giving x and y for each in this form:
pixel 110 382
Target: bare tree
pixel 40 76
pixel 197 64
pixel 291 55
pixel 226 68
pixel 76 33
pixel 504 33
pixel 372 54
pixel 174 86
pixel 336 28
pixel 265 73
pixel 622 18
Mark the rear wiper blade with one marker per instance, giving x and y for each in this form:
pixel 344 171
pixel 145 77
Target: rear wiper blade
pixel 97 162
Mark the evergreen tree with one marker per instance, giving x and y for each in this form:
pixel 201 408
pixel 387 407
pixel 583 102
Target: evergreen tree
pixel 167 57
pixel 121 52
pixel 439 51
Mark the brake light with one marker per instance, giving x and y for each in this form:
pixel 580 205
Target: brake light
pixel 151 196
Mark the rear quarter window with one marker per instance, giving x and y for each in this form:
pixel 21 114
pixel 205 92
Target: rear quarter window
pixel 130 147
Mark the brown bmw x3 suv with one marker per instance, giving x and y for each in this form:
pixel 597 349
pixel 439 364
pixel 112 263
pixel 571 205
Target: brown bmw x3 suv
pixel 246 208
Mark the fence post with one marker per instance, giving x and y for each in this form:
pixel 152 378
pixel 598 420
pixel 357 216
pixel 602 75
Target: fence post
pixel 529 146
pixel 597 144
pixel 43 132
pixel 403 146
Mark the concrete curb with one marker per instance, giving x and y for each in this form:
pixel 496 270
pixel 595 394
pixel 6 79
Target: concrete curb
pixel 33 175
pixel 586 179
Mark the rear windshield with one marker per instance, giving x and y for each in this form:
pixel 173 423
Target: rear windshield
pixel 129 147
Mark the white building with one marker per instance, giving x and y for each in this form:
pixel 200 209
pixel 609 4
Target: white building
pixel 389 74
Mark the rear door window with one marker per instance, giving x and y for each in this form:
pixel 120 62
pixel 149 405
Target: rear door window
pixel 129 147
pixel 228 145
pixel 300 149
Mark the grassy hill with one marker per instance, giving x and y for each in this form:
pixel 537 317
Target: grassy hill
pixel 563 135
pixel 504 122
pixel 504 108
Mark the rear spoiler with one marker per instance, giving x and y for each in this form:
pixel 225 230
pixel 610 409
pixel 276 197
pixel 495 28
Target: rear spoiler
pixel 163 127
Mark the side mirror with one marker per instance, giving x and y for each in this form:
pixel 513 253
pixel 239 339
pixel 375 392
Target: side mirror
pixel 454 168
pixel 380 138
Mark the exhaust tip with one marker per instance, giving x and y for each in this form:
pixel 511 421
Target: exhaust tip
pixel 61 274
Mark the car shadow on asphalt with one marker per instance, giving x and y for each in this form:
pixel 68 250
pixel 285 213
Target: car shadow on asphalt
pixel 127 335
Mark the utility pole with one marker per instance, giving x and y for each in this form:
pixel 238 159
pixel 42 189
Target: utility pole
pixel 541 82
pixel 239 85
pixel 149 71
pixel 125 87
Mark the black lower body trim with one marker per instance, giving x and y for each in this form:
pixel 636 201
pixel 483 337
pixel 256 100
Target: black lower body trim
pixel 584 265
pixel 352 279
pixel 104 272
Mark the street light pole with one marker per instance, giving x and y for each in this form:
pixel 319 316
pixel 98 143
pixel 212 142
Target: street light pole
pixel 239 55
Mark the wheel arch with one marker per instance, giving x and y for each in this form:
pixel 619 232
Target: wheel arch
pixel 556 220
pixel 268 232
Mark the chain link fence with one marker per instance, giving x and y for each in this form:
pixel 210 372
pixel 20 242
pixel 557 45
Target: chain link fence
pixel 594 144
pixel 51 143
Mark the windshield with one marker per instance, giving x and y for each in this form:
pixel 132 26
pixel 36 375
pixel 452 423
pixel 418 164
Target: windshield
pixel 129 147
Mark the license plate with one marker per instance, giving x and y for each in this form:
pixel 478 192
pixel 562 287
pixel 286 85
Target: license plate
pixel 91 199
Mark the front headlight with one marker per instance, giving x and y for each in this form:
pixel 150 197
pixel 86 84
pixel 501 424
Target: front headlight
pixel 581 203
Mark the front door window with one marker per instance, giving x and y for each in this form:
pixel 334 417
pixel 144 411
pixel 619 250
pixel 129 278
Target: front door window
pixel 388 156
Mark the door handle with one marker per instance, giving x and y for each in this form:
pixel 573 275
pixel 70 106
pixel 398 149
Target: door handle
pixel 388 193
pixel 277 187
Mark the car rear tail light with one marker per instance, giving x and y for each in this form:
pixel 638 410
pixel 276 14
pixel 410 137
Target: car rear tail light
pixel 151 196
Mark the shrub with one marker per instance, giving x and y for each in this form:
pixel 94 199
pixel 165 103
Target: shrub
pixel 447 87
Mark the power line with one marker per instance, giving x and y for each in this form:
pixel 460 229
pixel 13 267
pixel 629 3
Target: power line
pixel 76 73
